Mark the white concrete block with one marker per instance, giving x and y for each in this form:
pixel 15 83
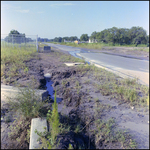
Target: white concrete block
pixel 73 64
pixel 39 124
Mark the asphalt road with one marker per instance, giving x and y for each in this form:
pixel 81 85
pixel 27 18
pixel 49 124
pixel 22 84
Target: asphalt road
pixel 123 66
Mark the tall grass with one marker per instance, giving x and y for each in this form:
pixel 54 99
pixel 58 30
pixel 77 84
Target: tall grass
pixel 15 57
pixel 27 103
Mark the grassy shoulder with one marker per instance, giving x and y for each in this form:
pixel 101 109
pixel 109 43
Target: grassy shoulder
pixel 15 57
pixel 100 46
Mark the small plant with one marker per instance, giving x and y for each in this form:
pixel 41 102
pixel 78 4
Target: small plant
pixel 128 81
pixel 70 146
pixel 27 103
pixel 7 119
pixel 77 129
pixel 54 120
pixel 96 99
pixel 49 138
pixel 87 82
pixel 26 70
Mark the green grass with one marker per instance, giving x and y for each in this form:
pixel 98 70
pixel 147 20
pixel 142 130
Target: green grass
pixel 125 90
pixel 15 58
pixel 99 46
pixel 67 58
pixel 41 45
pixel 27 103
pixel 145 49
pixel 107 134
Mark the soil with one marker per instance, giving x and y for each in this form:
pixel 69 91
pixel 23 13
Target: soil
pixel 131 52
pixel 78 105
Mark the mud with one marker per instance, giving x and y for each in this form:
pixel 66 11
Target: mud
pixel 78 105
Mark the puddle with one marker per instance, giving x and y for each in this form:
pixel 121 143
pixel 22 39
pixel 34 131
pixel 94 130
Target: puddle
pixel 73 53
pixel 50 90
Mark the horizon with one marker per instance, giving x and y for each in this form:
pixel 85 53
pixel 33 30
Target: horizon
pixel 50 19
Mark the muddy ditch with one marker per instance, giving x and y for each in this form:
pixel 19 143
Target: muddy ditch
pixel 83 104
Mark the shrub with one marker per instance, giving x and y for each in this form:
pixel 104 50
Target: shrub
pixel 27 103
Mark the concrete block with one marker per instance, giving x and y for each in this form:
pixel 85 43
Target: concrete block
pixel 73 64
pixel 39 124
pixel 47 75
pixel 10 91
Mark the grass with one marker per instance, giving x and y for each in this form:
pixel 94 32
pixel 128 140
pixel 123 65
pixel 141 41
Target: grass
pixel 27 103
pixel 99 46
pixel 126 90
pixel 66 58
pixel 107 134
pixel 15 58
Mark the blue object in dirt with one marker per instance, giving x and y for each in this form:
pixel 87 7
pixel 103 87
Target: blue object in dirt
pixel 47 48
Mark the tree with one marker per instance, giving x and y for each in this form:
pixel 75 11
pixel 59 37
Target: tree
pixel 137 35
pixel 15 37
pixel 84 37
pixel 93 35
pixel 73 38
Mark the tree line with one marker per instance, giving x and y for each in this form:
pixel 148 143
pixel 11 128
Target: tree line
pixel 114 35
pixel 135 35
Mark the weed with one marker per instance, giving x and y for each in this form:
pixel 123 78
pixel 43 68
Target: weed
pixel 125 139
pixel 27 103
pixel 128 81
pixel 77 129
pixel 70 146
pixel 28 134
pixel 54 120
pixel 96 99
pixel 87 81
pixel 7 119
pixel 49 138
pixel 77 86
pixel 26 70
pixel 15 59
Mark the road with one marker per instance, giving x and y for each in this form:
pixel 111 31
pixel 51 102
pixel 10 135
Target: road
pixel 122 66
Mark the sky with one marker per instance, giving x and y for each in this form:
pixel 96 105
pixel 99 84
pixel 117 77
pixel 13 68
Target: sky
pixel 50 19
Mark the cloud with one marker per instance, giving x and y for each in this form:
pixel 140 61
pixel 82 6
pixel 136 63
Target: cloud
pixel 14 8
pixel 61 4
pixel 68 4
pixel 8 6
pixel 23 11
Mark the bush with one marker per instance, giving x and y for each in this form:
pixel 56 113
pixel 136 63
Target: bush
pixel 27 103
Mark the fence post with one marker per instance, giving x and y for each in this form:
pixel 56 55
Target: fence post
pixel 37 43
pixel 12 41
